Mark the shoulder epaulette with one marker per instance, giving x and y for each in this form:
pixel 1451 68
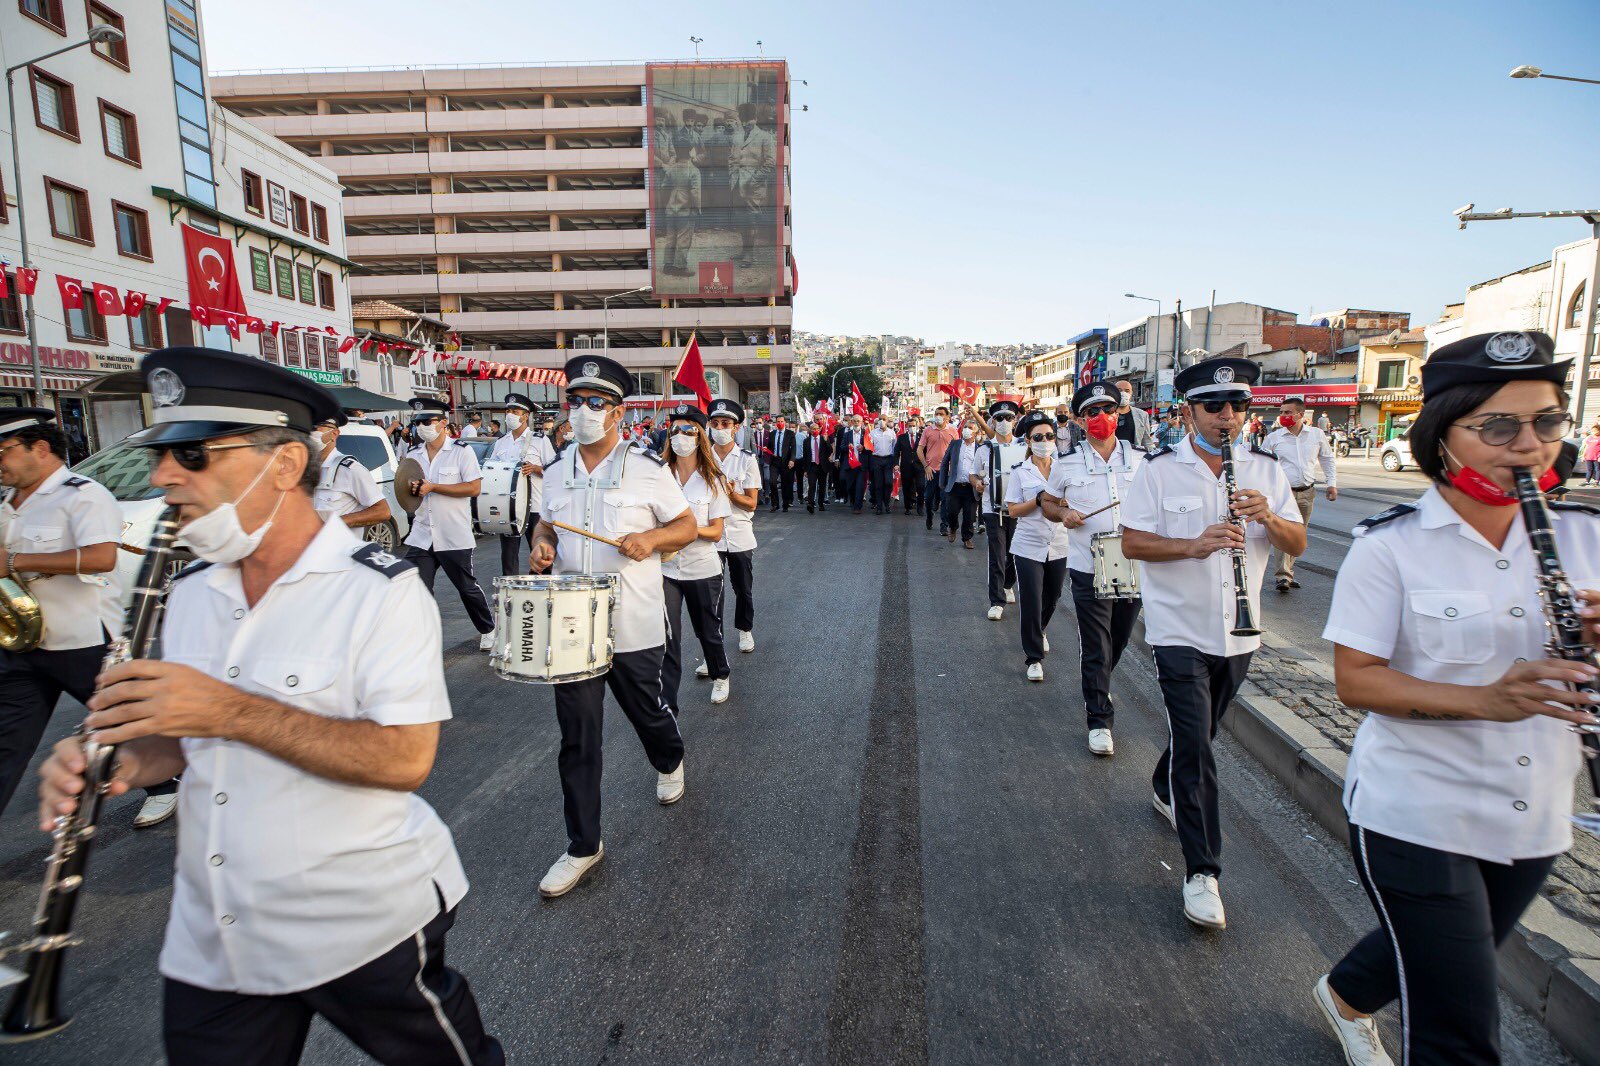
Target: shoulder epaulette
pixel 1165 449
pixel 463 442
pixel 74 482
pixel 650 454
pixel 1018 463
pixel 1367 525
pixel 1574 505
pixel 346 461
pixel 193 568
pixel 385 563
pixel 1259 450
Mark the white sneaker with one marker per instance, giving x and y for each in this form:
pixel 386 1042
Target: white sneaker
pixel 1202 903
pixel 747 640
pixel 486 642
pixel 702 670
pixel 568 870
pixel 719 690
pixel 1359 1038
pixel 995 613
pixel 1046 641
pixel 1100 742
pixel 156 809
pixel 1165 810
pixel 1011 595
pixel 669 787
pixel 1036 671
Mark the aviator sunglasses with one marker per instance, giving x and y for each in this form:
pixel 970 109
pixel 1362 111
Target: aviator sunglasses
pixel 196 456
pixel 1499 430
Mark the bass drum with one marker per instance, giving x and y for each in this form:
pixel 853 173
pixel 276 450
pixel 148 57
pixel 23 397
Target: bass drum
pixel 501 506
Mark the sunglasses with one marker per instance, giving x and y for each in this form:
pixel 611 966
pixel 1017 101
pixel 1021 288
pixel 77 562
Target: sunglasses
pixel 687 431
pixel 195 457
pixel 593 403
pixel 1042 438
pixel 1213 407
pixel 1500 430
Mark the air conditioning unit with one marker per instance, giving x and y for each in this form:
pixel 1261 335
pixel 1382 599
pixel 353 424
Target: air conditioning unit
pixel 1311 359
pixel 351 375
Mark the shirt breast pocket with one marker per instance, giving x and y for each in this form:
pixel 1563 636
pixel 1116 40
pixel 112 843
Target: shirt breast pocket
pixel 629 513
pixel 307 683
pixel 1453 627
pixel 1181 517
pixel 40 538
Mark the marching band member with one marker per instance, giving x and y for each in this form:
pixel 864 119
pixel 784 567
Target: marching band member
pixel 996 457
pixel 1038 541
pixel 1295 444
pixel 1176 522
pixel 693 577
pixel 60 531
pixel 608 486
pixel 441 530
pixel 738 544
pixel 1460 782
pixel 532 448
pixel 1096 475
pixel 345 488
pixel 311 879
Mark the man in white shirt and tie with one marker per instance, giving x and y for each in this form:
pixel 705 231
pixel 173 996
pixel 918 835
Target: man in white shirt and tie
pixel 882 465
pixel 1300 448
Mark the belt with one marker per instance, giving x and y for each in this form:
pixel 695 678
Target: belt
pixel 1302 488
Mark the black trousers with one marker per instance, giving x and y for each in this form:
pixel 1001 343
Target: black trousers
pixel 933 500
pixel 1196 689
pixel 817 478
pixel 961 507
pixel 457 566
pixel 786 477
pixel 768 482
pixel 882 481
pixel 635 681
pixel 405 1008
pixel 703 598
pixel 855 484
pixel 1445 914
pixel 511 547
pixel 911 486
pixel 1002 564
pixel 1038 592
pixel 741 575
pixel 1104 627
pixel 30 684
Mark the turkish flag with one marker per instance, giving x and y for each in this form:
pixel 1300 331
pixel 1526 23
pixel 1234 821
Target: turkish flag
pixel 5 289
pixel 133 303
pixel 231 322
pixel 200 315
pixel 858 402
pixel 162 305
pixel 213 278
pixel 71 292
pixel 691 374
pixel 255 325
pixel 106 300
pixel 966 391
pixel 855 460
pixel 346 344
pixel 273 329
pixel 27 280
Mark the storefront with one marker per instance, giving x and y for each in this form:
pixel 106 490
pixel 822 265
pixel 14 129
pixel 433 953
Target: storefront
pixel 1338 402
pixel 90 421
pixel 1390 410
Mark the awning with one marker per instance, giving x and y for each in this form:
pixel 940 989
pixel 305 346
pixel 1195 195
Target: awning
pixel 1313 395
pixel 353 399
pixel 56 381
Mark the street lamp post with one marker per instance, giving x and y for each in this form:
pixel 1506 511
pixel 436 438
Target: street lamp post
pixel 605 309
pixel 98 35
pixel 1526 71
pixel 833 387
pixel 1150 346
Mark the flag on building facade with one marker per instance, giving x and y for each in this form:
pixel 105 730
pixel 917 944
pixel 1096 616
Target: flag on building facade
pixel 71 292
pixel 213 277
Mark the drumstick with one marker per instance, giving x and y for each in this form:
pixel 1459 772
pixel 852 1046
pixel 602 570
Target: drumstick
pixel 595 536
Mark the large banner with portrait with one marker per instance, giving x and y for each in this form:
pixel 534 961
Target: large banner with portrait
pixel 716 143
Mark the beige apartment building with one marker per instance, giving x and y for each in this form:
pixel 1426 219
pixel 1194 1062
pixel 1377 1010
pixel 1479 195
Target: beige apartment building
pixel 513 203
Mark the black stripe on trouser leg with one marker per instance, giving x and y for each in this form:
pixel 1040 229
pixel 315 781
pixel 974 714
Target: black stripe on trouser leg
pixel 1196 689
pixel 1002 565
pixel 1104 627
pixel 741 576
pixel 457 566
pixel 635 683
pixel 1441 918
pixel 1038 591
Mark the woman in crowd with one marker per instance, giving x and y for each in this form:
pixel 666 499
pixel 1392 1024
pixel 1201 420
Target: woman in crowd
pixel 1039 543
pixel 693 577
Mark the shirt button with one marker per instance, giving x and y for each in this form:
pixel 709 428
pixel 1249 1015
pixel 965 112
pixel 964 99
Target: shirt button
pixel 239 613
pixel 1523 761
pixel 291 681
pixel 1449 612
pixel 227 919
pixel 216 860
pixel 1521 660
pixel 233 671
pixel 1516 612
pixel 1520 805
pixel 221 798
pixel 1502 564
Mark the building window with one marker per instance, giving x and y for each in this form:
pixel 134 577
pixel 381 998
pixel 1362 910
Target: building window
pixel 1575 308
pixel 49 12
pixel 647 383
pixel 269 347
pixel 101 15
pixel 260 271
pixel 330 353
pixel 55 106
pixel 302 217
pixel 133 231
pixel 1391 374
pixel 144 328
pixel 307 284
pixel 291 348
pixel 325 289
pixel 1128 339
pixel 11 307
pixel 85 323
pixel 254 198
pixel 319 223
pixel 69 211
pixel 119 132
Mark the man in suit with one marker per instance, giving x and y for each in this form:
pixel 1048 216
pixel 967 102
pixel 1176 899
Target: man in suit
pixel 761 446
pixel 841 474
pixel 811 467
pixel 1133 423
pixel 905 454
pixel 854 442
pixel 784 448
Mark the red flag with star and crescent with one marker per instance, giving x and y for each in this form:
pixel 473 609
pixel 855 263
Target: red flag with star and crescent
pixel 71 292
pixel 213 278
pixel 691 374
pixel 858 402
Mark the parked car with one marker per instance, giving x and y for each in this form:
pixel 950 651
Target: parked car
pixel 370 445
pixel 1395 455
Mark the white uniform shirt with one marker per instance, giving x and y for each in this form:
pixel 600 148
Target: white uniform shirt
pixel 285 880
pixel 699 560
pixel 883 442
pixel 345 486
pixel 444 523
pixel 1084 481
pixel 1426 592
pixel 1299 453
pixel 645 496
pixel 739 528
pixel 1190 602
pixel 67 511
pixel 469 431
pixel 1036 537
pixel 966 461
pixel 1011 453
pixel 532 448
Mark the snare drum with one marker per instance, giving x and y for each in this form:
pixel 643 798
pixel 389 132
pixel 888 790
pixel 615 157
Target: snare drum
pixel 501 507
pixel 552 628
pixel 1116 577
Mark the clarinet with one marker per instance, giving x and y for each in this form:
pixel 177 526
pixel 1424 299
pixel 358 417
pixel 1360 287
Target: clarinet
pixel 35 1008
pixel 1244 623
pixel 1563 626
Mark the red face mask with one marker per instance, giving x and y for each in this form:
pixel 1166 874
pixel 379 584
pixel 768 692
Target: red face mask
pixel 1476 486
pixel 1101 427
pixel 1286 421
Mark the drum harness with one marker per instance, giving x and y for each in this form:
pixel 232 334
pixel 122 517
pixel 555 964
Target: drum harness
pixel 591 487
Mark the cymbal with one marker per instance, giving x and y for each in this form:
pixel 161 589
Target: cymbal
pixel 406 471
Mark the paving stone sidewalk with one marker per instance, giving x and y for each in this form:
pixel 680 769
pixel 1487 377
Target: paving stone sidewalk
pixel 1304 685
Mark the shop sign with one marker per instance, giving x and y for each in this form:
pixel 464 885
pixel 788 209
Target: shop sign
pixel 321 377
pixel 14 354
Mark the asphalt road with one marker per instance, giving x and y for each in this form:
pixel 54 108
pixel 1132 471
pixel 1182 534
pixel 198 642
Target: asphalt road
pixel 893 849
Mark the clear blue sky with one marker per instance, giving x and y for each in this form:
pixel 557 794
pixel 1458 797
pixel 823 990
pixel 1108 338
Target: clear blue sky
pixel 1006 171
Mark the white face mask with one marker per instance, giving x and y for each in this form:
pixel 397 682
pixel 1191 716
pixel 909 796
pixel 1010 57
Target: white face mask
pixel 316 440
pixel 966 433
pixel 723 437
pixel 1005 425
pixel 217 536
pixel 427 434
pixel 939 420
pixel 514 422
pixel 683 444
pixel 1042 448
pixel 588 426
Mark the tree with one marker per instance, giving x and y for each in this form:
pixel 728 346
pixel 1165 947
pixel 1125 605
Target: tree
pixel 816 387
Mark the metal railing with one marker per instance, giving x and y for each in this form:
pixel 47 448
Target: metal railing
pixel 530 65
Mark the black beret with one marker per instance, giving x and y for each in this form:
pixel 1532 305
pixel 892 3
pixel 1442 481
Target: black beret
pixel 426 409
pixel 1004 407
pixel 1093 393
pixel 337 419
pixel 1515 355
pixel 519 401
pixel 724 408
pixel 204 393
pixel 688 411
pixel 1224 378
pixel 1033 418
pixel 598 372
